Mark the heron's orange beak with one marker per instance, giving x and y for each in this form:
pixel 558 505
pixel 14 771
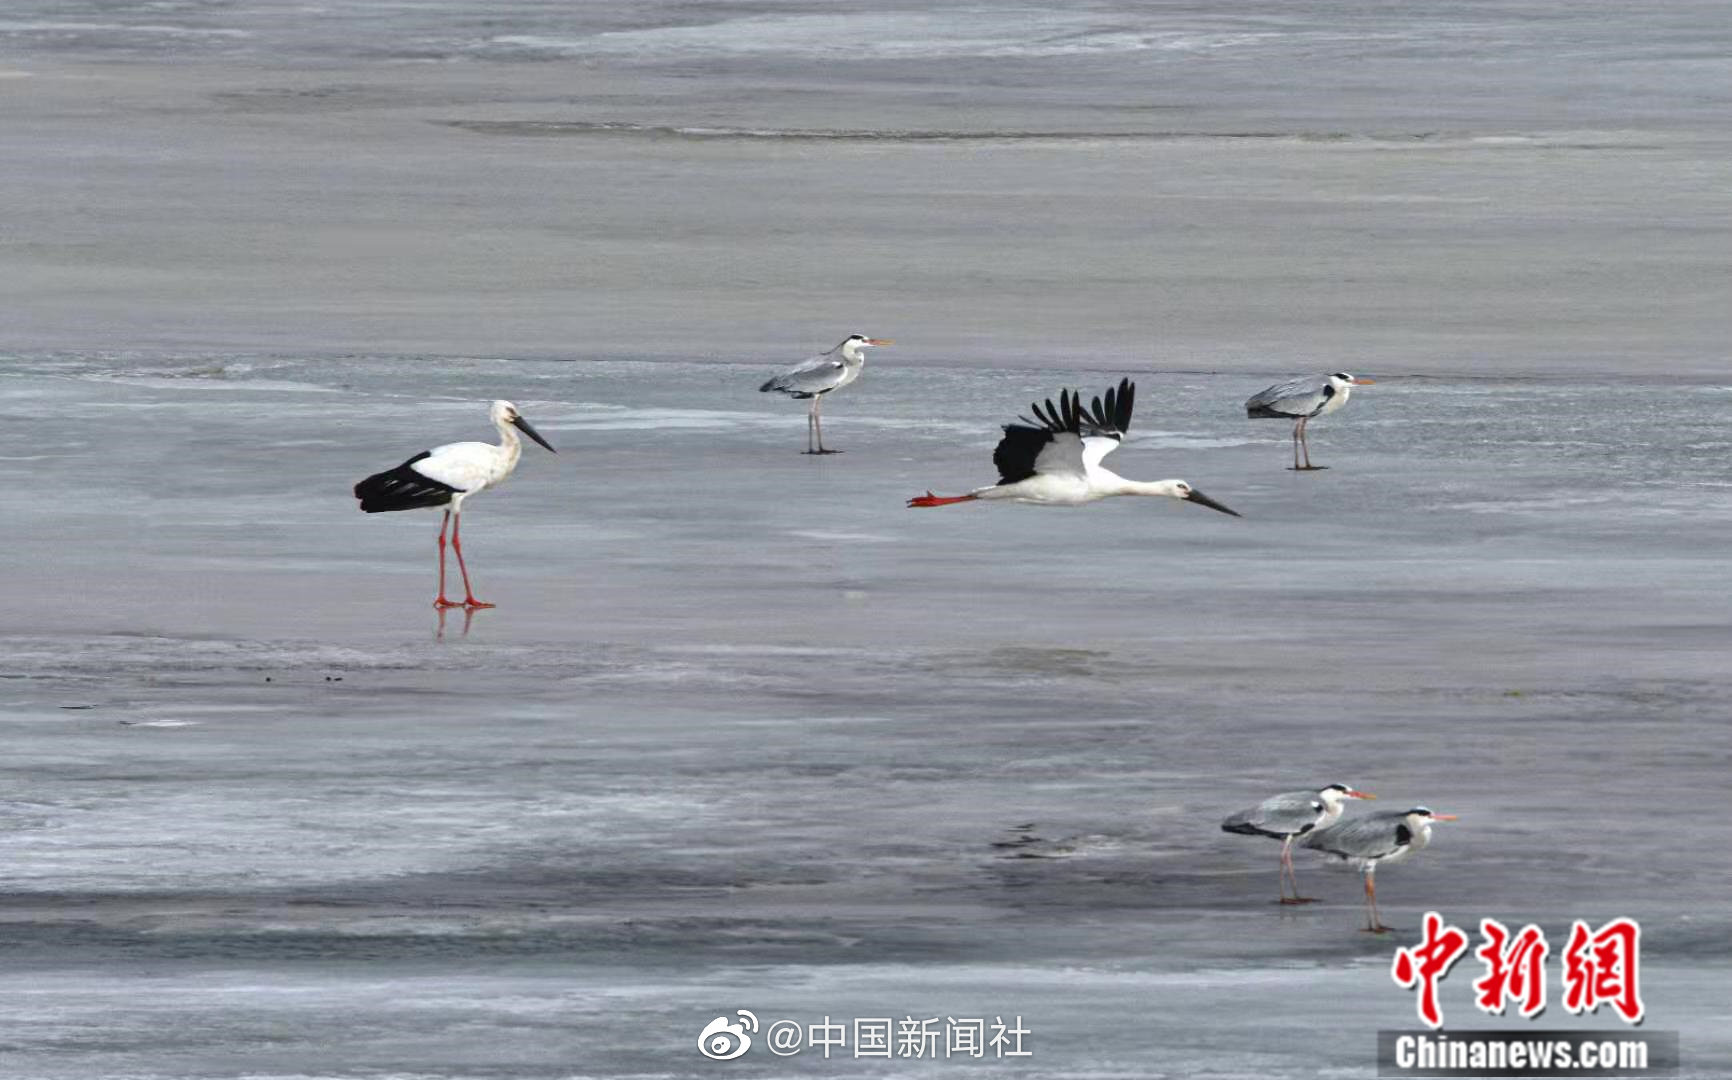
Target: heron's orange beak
pixel 1444 817
pixel 879 341
pixel 1364 382
pixel 1361 795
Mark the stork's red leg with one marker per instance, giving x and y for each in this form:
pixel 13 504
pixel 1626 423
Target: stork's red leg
pixel 441 601
pixel 930 499
pixel 469 600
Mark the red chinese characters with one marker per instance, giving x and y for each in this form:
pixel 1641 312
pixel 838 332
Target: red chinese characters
pixel 1601 967
pixel 1426 963
pixel 1514 968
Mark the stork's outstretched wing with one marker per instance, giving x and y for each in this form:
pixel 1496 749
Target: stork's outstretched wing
pixel 1104 426
pixel 1050 444
pixel 1064 438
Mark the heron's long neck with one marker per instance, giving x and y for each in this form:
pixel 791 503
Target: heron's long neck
pixel 852 354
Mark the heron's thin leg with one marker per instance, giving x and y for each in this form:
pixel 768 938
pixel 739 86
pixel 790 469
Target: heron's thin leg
pixel 441 601
pixel 1305 441
pixel 1292 874
pixel 1297 428
pixel 469 600
pixel 811 424
pixel 1373 920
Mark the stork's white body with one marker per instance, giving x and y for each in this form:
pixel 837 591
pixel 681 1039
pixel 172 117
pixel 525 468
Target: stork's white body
pixel 1069 486
pixel 472 467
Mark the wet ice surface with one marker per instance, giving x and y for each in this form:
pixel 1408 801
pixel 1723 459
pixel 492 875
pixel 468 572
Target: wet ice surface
pixel 745 733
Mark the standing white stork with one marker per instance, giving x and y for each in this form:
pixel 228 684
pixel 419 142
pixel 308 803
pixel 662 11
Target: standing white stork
pixel 445 476
pixel 1055 459
pixel 1366 842
pixel 1288 816
pixel 1300 400
pixel 823 374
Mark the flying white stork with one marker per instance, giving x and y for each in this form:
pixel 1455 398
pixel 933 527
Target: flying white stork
pixel 1055 459
pixel 823 374
pixel 446 475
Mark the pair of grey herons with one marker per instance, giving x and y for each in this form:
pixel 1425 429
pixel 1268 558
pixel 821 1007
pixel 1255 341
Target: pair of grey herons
pixel 1313 818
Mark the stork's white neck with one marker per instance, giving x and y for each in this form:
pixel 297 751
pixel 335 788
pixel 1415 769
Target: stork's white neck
pixel 1114 484
pixel 509 442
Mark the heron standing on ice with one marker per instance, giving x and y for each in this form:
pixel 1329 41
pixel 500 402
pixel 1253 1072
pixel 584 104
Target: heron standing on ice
pixel 445 476
pixel 1055 459
pixel 823 374
pixel 1288 816
pixel 1366 842
pixel 1301 399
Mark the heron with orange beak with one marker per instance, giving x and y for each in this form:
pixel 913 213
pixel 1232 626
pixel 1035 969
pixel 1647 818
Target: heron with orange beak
pixel 1368 842
pixel 1301 400
pixel 823 374
pixel 1288 816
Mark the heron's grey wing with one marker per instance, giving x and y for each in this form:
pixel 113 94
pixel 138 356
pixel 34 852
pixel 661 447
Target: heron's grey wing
pixel 1373 836
pixel 1295 397
pixel 811 376
pixel 1287 814
pixel 1292 811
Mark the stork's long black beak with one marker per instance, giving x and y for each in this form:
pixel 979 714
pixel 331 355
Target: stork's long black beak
pixel 524 426
pixel 1203 500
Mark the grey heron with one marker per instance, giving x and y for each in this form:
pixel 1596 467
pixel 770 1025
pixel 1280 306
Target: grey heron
pixel 1288 816
pixel 823 374
pixel 1055 459
pixel 445 476
pixel 1300 400
pixel 1372 840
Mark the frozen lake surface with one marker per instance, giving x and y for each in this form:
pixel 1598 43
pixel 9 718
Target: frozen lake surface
pixel 1456 186
pixel 746 733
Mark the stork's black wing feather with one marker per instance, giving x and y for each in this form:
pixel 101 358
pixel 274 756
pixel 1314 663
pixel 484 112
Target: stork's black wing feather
pixel 1024 441
pixel 402 488
pixel 1017 450
pixel 1114 417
